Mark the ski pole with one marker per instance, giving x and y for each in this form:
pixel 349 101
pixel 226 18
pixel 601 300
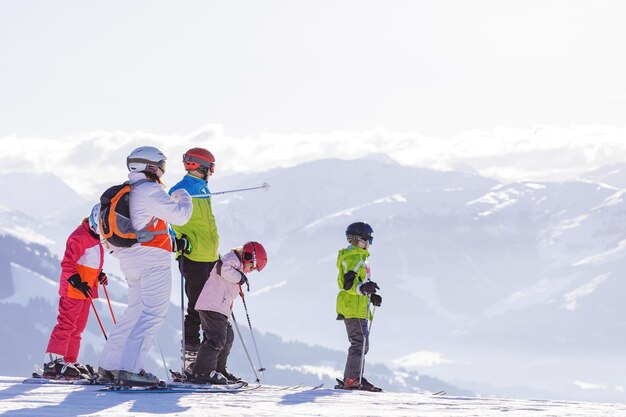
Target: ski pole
pixel 162 357
pixel 245 349
pixel 98 317
pixel 245 307
pixel 366 335
pixel 182 314
pixel 265 187
pixel 104 287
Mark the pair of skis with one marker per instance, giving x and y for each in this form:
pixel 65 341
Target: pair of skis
pixel 340 385
pixel 180 387
pixel 121 387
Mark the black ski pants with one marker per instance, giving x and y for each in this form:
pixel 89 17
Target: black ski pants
pixel 196 275
pixel 217 343
pixel 356 329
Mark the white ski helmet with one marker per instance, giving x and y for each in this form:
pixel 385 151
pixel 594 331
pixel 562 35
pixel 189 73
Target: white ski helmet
pixel 146 158
pixel 94 218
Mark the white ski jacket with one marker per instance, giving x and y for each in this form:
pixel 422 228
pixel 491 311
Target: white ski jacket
pixel 221 290
pixel 147 268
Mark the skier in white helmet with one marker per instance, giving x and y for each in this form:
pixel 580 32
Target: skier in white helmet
pixel 146 266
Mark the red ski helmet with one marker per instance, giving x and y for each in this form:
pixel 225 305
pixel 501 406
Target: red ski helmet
pixel 254 252
pixel 195 158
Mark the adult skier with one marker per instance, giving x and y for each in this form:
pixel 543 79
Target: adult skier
pixel 196 260
pixel 146 266
pixel 215 304
pixel 356 291
pixel 81 270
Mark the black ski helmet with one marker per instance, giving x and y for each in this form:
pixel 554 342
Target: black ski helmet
pixel 360 230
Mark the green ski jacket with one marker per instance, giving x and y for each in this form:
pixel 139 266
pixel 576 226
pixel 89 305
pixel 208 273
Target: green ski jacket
pixel 351 304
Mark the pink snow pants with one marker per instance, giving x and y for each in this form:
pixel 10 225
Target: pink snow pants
pixel 71 322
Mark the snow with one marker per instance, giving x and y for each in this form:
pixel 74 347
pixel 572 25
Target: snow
pixel 30 285
pixel 604 256
pixel 499 200
pixel 17 399
pixel 585 290
pixel 27 235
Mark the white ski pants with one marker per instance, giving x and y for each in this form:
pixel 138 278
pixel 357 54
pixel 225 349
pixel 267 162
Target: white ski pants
pixel 149 276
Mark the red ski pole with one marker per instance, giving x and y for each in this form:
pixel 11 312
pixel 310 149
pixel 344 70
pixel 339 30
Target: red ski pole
pixel 108 301
pixel 98 317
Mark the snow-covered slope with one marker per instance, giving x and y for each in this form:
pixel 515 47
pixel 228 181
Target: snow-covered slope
pixel 509 289
pixel 25 400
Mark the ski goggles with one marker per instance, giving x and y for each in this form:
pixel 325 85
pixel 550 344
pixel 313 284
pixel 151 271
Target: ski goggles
pixel 151 166
pixel 202 164
pixel 250 256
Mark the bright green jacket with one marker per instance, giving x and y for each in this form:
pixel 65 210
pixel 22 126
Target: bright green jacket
pixel 351 304
pixel 200 229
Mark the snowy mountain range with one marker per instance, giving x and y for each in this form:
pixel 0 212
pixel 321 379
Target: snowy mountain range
pixel 501 289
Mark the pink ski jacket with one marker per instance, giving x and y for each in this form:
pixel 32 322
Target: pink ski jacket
pixel 221 290
pixel 84 255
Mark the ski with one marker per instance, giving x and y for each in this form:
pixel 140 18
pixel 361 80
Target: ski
pixel 37 378
pixel 282 388
pixel 180 387
pixel 438 393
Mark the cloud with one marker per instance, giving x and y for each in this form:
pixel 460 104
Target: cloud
pixel 589 386
pixel 88 161
pixel 421 359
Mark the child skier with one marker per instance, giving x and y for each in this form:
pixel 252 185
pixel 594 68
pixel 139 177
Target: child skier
pixel 81 270
pixel 356 292
pixel 201 233
pixel 215 305
pixel 147 268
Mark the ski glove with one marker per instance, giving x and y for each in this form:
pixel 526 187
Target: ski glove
pixel 244 280
pixel 80 285
pixel 182 245
pixel 368 288
pixel 102 278
pixel 376 299
pixel 348 280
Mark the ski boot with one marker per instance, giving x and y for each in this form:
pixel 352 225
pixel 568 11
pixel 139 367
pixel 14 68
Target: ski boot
pixel 353 384
pixel 368 386
pixel 232 379
pixel 86 371
pixel 141 378
pixel 214 378
pixel 58 369
pixel 106 376
pixel 348 384
pixel 189 359
pixel 181 376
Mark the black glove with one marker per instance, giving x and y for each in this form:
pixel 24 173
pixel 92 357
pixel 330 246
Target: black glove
pixel 368 288
pixel 244 280
pixel 102 278
pixel 376 299
pixel 348 279
pixel 182 245
pixel 80 285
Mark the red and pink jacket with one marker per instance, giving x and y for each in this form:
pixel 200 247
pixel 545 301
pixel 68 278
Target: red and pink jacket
pixel 84 255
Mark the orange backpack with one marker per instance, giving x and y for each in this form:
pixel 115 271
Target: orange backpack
pixel 115 225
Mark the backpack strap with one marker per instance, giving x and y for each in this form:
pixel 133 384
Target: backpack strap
pixel 138 182
pixel 143 234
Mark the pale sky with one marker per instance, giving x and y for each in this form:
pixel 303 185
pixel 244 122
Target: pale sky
pixel 483 83
pixel 434 68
